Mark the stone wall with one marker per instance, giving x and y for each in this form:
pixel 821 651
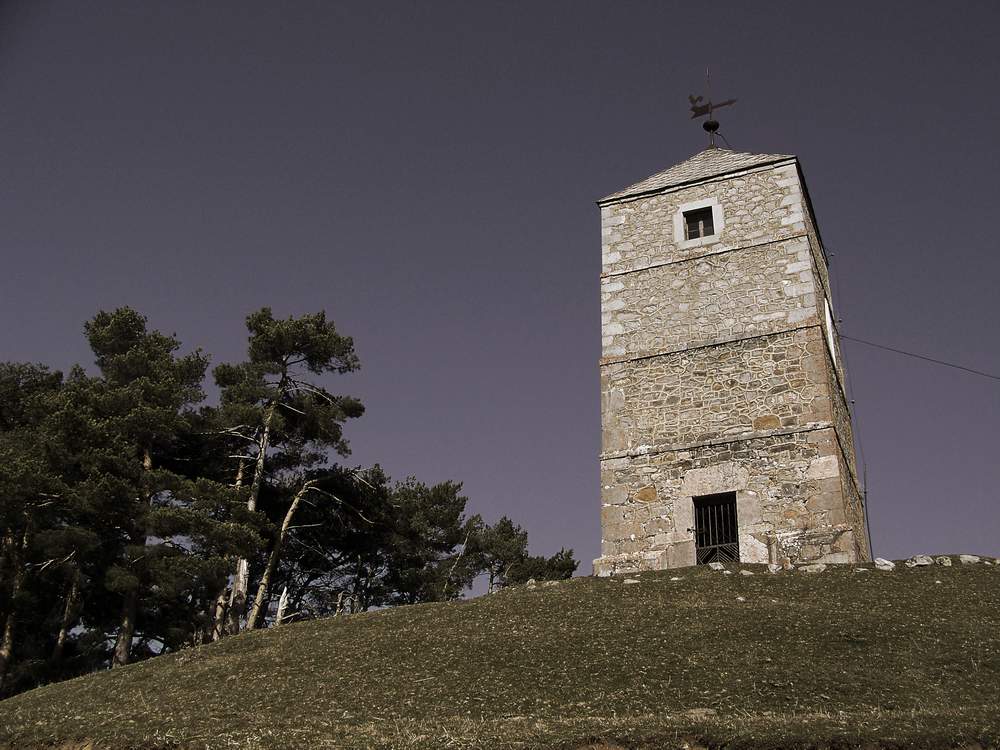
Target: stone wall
pixel 718 297
pixel 762 383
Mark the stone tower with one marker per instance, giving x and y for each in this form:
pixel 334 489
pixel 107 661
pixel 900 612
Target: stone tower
pixel 726 432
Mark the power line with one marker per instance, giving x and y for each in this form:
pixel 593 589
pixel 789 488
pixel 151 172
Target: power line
pixel 921 356
pixel 857 432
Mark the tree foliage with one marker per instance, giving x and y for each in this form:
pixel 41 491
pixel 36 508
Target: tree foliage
pixel 135 519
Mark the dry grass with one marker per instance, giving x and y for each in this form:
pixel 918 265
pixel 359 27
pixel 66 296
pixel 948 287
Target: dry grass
pixel 839 659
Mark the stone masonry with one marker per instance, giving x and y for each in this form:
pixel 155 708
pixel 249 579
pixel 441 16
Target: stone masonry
pixel 721 370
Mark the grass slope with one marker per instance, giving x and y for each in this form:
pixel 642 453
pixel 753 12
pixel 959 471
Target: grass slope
pixel 905 658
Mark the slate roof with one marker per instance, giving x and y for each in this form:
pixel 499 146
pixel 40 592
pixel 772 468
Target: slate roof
pixel 711 162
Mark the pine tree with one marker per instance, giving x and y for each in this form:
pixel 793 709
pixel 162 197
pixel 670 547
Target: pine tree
pixel 335 558
pixel 289 421
pixel 29 490
pixel 502 550
pixel 371 542
pixel 558 567
pixel 425 556
pixel 499 548
pixel 172 526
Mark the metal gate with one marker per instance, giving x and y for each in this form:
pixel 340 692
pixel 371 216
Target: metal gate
pixel 716 531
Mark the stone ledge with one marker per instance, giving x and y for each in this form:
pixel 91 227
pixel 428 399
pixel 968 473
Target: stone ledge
pixel 652 450
pixel 606 361
pixel 720 250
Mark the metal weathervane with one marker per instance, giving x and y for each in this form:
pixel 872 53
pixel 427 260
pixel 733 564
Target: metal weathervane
pixel 700 108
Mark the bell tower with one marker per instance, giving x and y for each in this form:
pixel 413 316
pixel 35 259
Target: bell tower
pixel 726 432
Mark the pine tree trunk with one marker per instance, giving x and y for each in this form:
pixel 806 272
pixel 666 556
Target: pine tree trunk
pixel 219 618
pixel 7 642
pixel 126 627
pixel 218 629
pixel 256 611
pixel 241 580
pixel 6 549
pixel 258 469
pixel 16 560
pixel 282 607
pixel 68 618
pixel 238 596
pixel 362 585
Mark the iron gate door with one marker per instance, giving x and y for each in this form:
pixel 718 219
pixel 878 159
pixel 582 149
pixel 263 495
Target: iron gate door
pixel 716 531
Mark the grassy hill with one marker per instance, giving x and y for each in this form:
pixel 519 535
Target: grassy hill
pixel 836 659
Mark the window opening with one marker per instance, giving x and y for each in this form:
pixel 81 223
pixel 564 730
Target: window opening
pixel 716 531
pixel 698 223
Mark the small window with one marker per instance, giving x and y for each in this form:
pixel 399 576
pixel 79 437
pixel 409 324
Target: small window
pixel 698 223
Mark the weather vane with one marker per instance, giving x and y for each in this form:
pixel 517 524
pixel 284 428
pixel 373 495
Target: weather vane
pixel 699 109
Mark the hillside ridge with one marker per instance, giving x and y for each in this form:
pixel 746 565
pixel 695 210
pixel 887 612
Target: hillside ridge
pixel 848 657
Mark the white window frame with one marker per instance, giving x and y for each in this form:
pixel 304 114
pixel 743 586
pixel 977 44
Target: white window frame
pixel 828 311
pixel 718 222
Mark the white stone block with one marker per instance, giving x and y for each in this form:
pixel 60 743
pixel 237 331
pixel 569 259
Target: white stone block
pixel 800 314
pixel 796 290
pixel 826 467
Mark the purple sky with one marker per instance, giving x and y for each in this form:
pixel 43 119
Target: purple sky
pixel 427 174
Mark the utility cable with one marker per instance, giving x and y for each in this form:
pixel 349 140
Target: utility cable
pixel 921 356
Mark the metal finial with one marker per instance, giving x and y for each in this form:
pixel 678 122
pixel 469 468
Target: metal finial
pixel 699 109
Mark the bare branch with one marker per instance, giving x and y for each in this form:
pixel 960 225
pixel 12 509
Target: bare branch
pixel 444 588
pixel 53 561
pixel 330 494
pixel 233 432
pixel 301 386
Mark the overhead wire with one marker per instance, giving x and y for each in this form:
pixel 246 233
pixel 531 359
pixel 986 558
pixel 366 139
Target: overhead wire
pixel 836 287
pixel 923 357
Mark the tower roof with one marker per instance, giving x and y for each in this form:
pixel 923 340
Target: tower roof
pixel 711 162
